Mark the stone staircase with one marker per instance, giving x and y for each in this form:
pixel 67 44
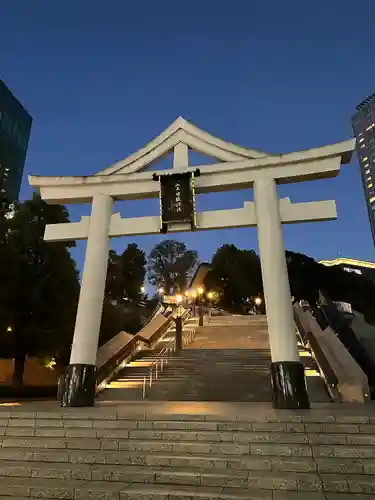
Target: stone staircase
pixel 128 383
pixel 175 451
pixel 228 360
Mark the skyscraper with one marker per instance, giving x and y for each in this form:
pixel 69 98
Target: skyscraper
pixel 15 126
pixel 363 122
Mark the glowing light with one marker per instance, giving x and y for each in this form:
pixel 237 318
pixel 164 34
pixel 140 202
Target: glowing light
pixel 200 290
pixel 50 364
pixel 258 301
pixel 9 329
pixel 161 291
pixel 179 299
pixel 210 295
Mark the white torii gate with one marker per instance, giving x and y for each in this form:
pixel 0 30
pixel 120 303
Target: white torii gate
pixel 237 168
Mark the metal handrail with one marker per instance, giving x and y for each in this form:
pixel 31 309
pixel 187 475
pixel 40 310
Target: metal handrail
pixel 162 359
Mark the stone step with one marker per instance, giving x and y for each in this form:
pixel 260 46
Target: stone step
pixel 61 437
pixel 40 461
pixel 345 416
pixel 114 481
pixel 64 447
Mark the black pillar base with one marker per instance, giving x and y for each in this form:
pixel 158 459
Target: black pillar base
pixel 289 389
pixel 178 322
pixel 79 386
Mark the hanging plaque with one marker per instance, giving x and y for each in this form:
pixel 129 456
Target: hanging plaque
pixel 177 199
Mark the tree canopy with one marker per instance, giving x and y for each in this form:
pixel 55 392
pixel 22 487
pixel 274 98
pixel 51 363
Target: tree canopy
pixel 40 287
pixel 307 277
pixel 235 277
pixel 170 265
pixel 126 275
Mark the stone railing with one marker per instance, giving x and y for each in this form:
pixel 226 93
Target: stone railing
pixel 345 379
pixel 114 354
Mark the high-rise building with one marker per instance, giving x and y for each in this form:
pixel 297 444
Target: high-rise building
pixel 15 126
pixel 364 129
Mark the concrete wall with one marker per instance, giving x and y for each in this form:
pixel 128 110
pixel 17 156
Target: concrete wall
pixel 35 373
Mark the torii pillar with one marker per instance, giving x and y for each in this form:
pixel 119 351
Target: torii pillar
pixel 80 378
pixel 287 372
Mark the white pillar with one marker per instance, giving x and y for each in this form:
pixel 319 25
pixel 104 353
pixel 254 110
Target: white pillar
pixel 277 296
pixel 180 155
pixel 90 305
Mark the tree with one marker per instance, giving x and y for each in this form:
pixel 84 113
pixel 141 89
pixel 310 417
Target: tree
pixel 126 275
pixel 235 277
pixel 170 265
pixel 307 277
pixel 40 286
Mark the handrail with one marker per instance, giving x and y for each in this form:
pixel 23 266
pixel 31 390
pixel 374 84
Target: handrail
pixel 162 358
pixel 336 320
pixel 326 370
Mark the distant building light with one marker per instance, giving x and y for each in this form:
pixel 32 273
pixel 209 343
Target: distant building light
pixel 372 199
pixel 370 127
pixel 361 139
pixel 351 270
pixel 365 158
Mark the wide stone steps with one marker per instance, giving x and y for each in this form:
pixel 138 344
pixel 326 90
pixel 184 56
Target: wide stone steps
pixel 120 458
pixel 207 372
pixel 151 453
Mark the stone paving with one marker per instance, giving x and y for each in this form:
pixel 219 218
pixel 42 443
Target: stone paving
pixel 171 451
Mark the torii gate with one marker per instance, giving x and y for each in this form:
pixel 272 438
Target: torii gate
pixel 237 168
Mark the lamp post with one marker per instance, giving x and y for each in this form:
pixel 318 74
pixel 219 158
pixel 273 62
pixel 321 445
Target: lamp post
pixel 194 296
pixel 210 296
pixel 178 322
pixel 200 295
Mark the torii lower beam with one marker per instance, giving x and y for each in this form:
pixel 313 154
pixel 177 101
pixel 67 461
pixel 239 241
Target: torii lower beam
pixel 209 220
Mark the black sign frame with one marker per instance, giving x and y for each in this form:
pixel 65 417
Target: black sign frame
pixel 177 199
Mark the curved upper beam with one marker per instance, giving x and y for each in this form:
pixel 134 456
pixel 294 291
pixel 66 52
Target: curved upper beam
pixel 323 162
pixel 181 131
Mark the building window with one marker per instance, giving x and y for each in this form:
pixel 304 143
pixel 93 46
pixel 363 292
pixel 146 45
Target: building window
pixel 370 185
pixel 372 199
pixel 365 158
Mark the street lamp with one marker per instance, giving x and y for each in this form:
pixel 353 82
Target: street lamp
pixel 178 322
pixel 210 296
pixel 257 302
pixel 194 296
pixel 200 294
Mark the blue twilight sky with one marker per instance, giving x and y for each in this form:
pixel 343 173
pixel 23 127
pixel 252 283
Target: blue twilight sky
pixel 103 78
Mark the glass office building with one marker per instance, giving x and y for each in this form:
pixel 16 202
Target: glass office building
pixel 15 126
pixel 363 122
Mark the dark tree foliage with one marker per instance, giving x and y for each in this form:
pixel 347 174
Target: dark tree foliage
pixel 117 318
pixel 126 275
pixel 170 265
pixel 307 277
pixel 235 277
pixel 40 287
